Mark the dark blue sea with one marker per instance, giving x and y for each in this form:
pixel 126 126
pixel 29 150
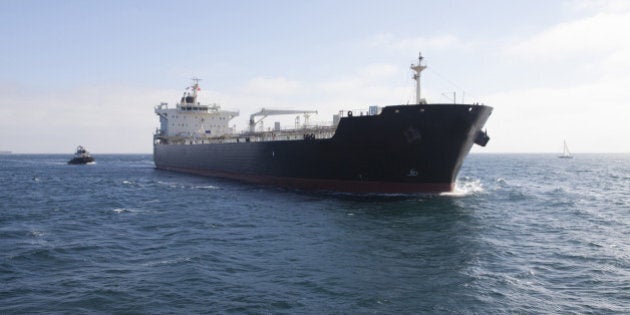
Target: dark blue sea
pixel 526 234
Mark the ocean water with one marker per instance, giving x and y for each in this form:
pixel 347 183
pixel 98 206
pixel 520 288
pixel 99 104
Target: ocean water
pixel 522 234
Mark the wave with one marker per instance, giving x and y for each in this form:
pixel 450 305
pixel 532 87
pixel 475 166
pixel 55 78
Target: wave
pixel 121 210
pixel 465 187
pixel 211 187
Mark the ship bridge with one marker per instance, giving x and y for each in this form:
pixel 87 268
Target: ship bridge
pixel 192 120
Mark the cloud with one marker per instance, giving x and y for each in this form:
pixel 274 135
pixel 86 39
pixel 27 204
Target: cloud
pixel 599 35
pixel 548 105
pixel 376 83
pixel 103 118
pixel 593 117
pixel 279 86
pixel 609 6
pixel 583 63
pixel 372 74
pixel 405 45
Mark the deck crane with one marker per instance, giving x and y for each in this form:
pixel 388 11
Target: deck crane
pixel 273 112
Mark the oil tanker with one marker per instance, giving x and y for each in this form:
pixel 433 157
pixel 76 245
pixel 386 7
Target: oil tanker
pixel 394 149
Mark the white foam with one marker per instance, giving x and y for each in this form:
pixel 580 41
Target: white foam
pixel 36 233
pixel 465 187
pixel 206 187
pixel 167 261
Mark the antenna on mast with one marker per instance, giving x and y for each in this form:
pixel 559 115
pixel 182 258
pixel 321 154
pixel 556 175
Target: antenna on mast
pixel 418 68
pixel 195 87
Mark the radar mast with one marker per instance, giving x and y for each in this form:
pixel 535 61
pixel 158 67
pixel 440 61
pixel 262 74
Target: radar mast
pixel 416 76
pixel 195 88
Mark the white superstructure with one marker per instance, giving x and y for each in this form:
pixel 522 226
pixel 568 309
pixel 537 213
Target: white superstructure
pixel 192 120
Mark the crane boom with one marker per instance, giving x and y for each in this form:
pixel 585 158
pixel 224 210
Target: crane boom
pixel 274 112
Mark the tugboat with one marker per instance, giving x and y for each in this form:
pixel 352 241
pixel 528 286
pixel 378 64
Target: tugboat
pixel 82 156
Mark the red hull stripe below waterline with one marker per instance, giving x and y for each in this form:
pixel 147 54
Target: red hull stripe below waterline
pixel 324 184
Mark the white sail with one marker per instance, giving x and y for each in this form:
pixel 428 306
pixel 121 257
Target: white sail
pixel 566 154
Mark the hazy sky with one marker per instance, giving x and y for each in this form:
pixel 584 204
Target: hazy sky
pixel 90 72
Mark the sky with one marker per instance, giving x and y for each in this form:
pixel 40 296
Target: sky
pixel 90 72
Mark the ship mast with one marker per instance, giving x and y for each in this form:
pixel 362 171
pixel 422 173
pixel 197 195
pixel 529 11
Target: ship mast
pixel 418 68
pixel 195 88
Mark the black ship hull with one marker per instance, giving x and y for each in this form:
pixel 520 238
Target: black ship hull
pixel 405 149
pixel 81 160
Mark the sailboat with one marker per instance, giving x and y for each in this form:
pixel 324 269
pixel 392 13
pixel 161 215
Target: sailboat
pixel 566 154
